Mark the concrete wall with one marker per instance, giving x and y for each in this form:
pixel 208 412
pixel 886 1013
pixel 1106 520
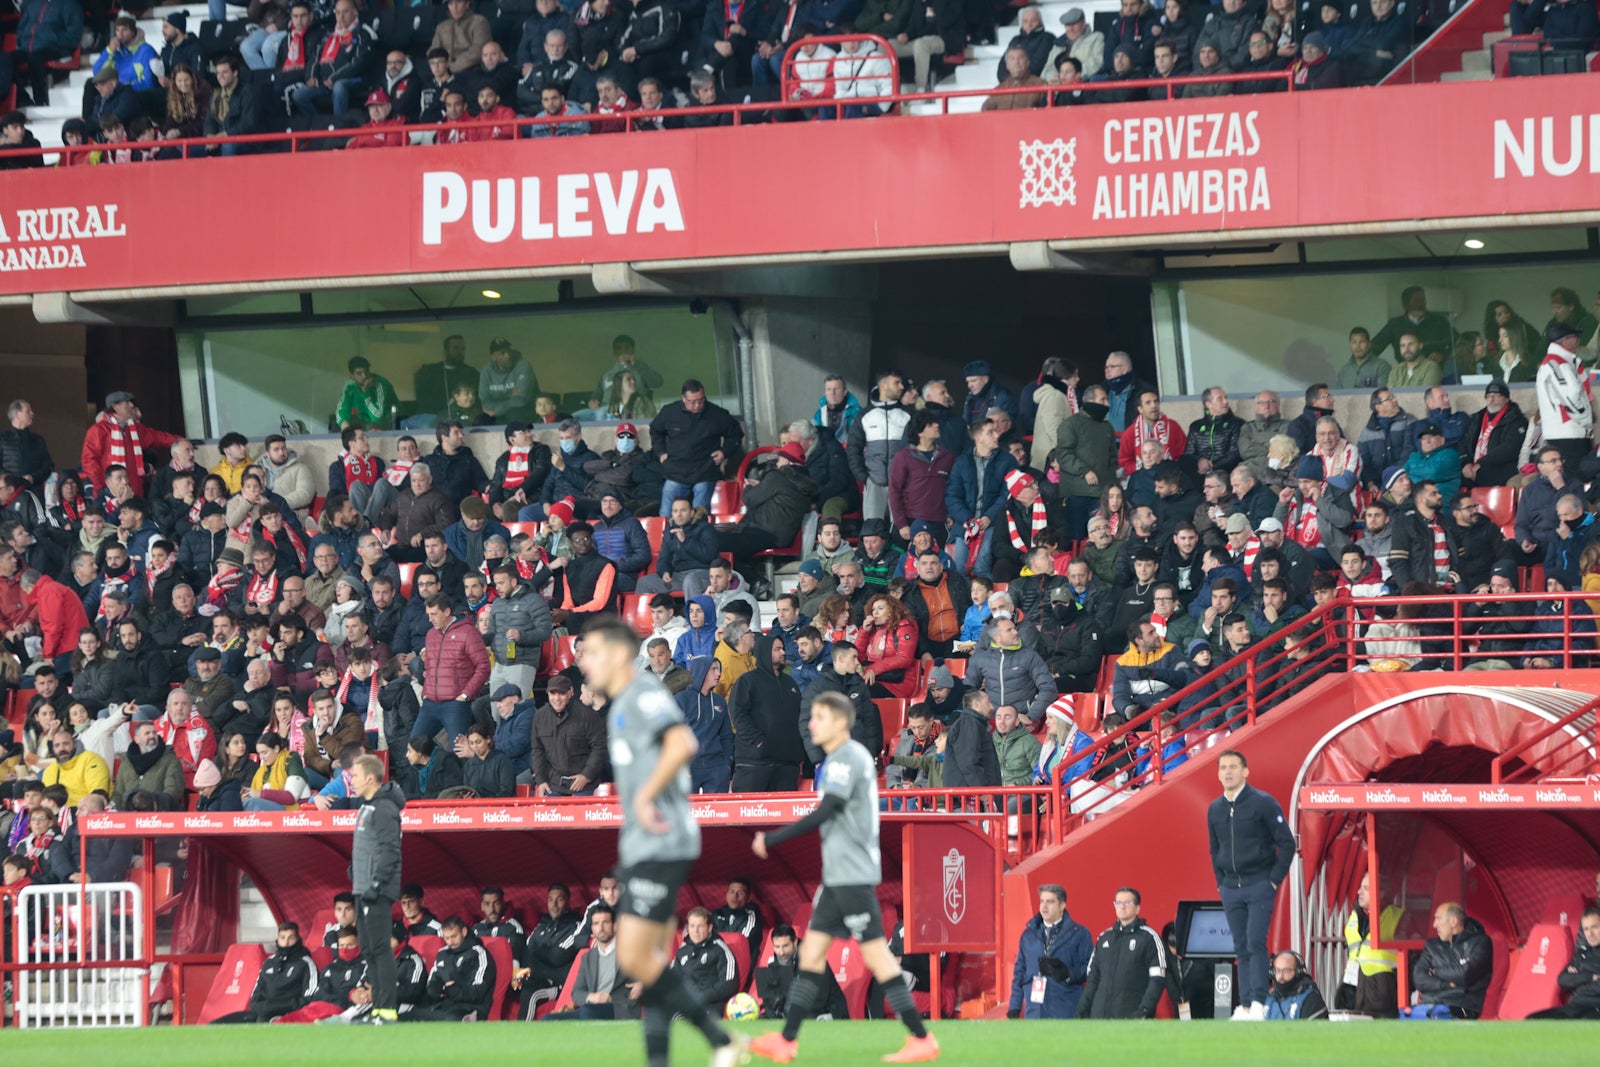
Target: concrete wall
pixel 798 343
pixel 44 365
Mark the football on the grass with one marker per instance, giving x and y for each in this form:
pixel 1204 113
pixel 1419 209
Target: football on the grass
pixel 742 1006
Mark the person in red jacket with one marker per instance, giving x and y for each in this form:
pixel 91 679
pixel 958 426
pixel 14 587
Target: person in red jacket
pixel 888 647
pixel 1149 425
pixel 117 436
pixel 189 736
pixel 455 668
pixel 384 130
pixel 60 616
pixel 491 109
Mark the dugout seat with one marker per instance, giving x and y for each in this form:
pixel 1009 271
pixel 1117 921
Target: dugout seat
pixel 500 951
pixel 1531 985
pixel 235 981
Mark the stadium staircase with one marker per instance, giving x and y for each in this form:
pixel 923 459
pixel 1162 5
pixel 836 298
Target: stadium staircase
pixel 1474 44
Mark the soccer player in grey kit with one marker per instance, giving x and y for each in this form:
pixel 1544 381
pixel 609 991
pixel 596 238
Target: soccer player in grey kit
pixel 651 749
pixel 847 903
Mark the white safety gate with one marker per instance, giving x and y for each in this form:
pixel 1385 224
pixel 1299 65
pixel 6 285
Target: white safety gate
pixel 81 951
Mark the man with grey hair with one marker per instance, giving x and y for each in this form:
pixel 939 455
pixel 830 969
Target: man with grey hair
pixel 1122 391
pixel 567 477
pixel 828 466
pixel 1256 435
pixel 1082 42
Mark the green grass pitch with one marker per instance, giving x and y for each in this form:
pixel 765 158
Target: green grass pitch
pixel 842 1044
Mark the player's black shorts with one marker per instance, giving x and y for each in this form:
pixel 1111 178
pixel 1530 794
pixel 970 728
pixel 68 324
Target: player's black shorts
pixel 650 889
pixel 847 911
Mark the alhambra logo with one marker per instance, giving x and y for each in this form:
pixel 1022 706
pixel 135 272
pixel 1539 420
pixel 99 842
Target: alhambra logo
pixel 1047 178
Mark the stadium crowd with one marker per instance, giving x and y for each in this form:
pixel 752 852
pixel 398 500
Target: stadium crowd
pixel 603 66
pixel 194 638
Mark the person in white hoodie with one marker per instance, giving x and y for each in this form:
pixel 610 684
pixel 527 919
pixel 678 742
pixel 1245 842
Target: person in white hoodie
pixel 1566 402
pixel 666 624
pixel 862 71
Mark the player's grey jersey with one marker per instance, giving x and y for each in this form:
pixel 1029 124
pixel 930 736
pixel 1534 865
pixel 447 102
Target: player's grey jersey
pixel 850 853
pixel 638 718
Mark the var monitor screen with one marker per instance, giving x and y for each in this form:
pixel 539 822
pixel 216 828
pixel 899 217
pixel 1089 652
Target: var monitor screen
pixel 1203 931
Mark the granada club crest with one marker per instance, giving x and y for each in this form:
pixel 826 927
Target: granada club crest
pixel 955 885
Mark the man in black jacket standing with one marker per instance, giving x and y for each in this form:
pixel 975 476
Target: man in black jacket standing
pixel 1128 968
pixel 764 705
pixel 693 439
pixel 969 756
pixel 375 880
pixel 1251 849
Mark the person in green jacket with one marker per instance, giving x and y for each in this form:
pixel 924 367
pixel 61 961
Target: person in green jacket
pixel 151 766
pixel 368 399
pixel 1018 750
pixel 1086 453
pixel 1435 461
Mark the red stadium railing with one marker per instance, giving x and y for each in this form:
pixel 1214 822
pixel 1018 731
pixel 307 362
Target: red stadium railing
pixel 627 121
pixel 1448 632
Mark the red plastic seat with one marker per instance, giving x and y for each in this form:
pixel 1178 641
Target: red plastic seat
pixel 408 574
pixel 957 665
pixel 500 951
pixel 556 655
pixel 1498 503
pixel 739 945
pixel 563 1001
pixel 655 528
pixel 892 714
pixel 70 63
pixel 529 528
pixel 635 609
pixel 235 981
pixel 427 946
pixel 725 498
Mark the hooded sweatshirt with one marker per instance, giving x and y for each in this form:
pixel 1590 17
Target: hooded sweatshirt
pixel 697 640
pixel 707 716
pixel 765 708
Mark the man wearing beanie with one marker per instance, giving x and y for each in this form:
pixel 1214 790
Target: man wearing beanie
pixel 1492 445
pixel 1566 402
pixel 983 393
pixel 1024 519
pixel 181 48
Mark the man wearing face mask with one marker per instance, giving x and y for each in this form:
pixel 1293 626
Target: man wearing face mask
pixel 616 469
pixel 1086 450
pixel 342 986
pixel 568 476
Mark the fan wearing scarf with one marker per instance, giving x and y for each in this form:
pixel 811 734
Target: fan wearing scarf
pixel 230 572
pixel 119 437
pixel 1026 517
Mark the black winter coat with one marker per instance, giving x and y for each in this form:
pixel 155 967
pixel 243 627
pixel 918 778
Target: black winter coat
pixel 868 728
pixel 687 441
pixel 765 706
pixel 1456 973
pixel 1127 974
pixel 969 756
pixel 287 982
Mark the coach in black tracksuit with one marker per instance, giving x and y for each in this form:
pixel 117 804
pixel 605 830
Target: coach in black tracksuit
pixel 375 879
pixel 1251 849
pixel 1127 969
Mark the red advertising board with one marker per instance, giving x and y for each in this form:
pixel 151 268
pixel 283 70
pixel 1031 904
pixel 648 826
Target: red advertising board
pixel 1268 163
pixel 1569 796
pixel 951 876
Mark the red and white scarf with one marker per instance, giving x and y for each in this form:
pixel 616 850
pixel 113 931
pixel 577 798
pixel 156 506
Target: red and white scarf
pixel 263 589
pixel 71 510
pixel 1481 449
pixel 1303 528
pixel 516 468
pixel 398 472
pixel 155 571
pixel 124 445
pixel 1161 431
pixel 374 713
pixel 221 585
pixel 1252 548
pixel 295 735
pixel 1343 458
pixel 295 57
pixel 295 541
pixel 359 470
pixel 1039 521
pixel 194 510
pixel 1441 550
pixel 333 44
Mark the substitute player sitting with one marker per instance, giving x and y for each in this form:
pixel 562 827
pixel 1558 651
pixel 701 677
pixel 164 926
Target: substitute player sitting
pixel 847 903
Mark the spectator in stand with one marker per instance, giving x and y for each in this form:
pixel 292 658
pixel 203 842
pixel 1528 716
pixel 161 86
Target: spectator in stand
pixel 1316 68
pixel 1210 64
pixel 984 393
pixel 861 72
pixel 382 128
pixel 457 669
pixel 693 439
pixel 1434 461
pixel 1149 424
pixel 1212 442
pixel 14 133
pixel 1265 59
pixel 462 35
pixel 1386 440
pixel 339 69
pixel 775 506
pixel 1052 961
pixel 118 437
pixel 130 55
pixel 1012 673
pixel 1567 310
pixel 837 408
pixel 1125 982
pixel 280 780
pixel 568 757
pixel 1082 42
pixel 1566 409
pixel 1428 328
pixel 1414 369
pixel 505 129
pixel 520 472
pixel 1570 25
pixel 874 439
pixel 485 769
pixel 1536 504
pixel 1137 28
pixel 588 581
pixel 1581 976
pixel 1492 443
pixel 48 30
pixel 1229 32
pixel 1086 451
pixel 1381 41
pixel 232 111
pixel 1452 424
pixel 1018 76
pixel 1456 967
pixel 24 453
pixel 706 713
pixel 1147 672
pixel 764 706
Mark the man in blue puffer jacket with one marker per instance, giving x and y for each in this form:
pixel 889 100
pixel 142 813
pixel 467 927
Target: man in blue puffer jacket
pixel 620 537
pixel 1052 961
pixel 707 715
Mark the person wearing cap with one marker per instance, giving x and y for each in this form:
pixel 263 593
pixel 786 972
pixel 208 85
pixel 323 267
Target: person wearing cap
pixel 1082 42
pixel 1387 438
pixel 129 55
pixel 382 129
pixel 1434 460
pixel 179 47
pixel 568 754
pixel 983 393
pixel 1316 68
pixel 1492 444
pixel 1502 630
pixel 775 507
pixel 1315 512
pixel 1566 401
pixel 620 537
pixel 621 470
pixel 1070 641
pixel 14 133
pixel 119 437
pixel 1296 563
pixel 1453 424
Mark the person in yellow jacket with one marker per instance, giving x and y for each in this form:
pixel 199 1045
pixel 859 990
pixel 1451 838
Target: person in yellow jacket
pixel 1372 970
pixel 734 653
pixel 235 460
pixel 80 772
